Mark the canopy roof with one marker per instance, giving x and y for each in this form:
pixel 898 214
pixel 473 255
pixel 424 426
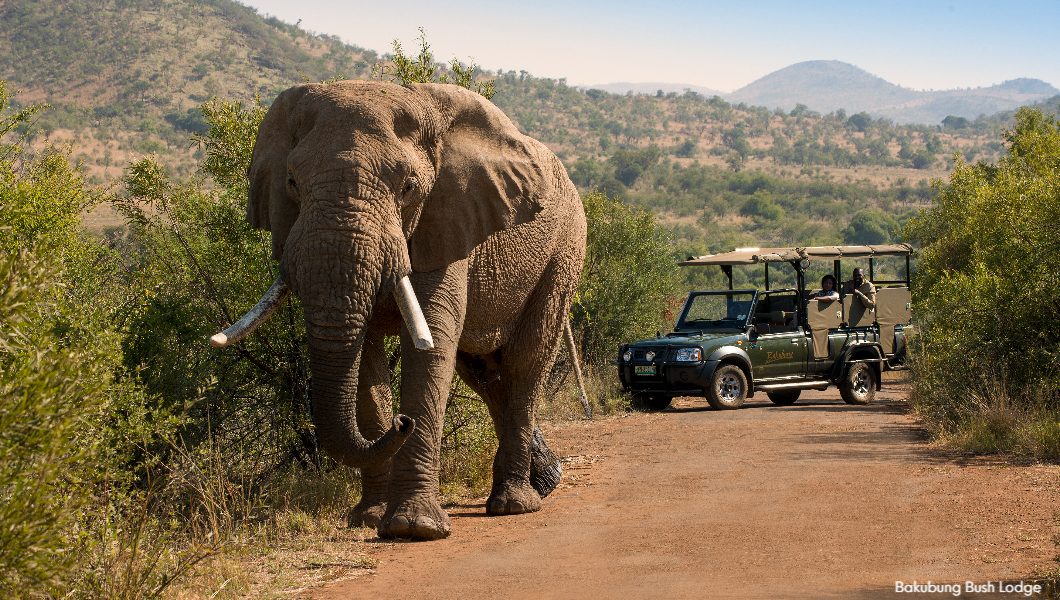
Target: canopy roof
pixel 753 256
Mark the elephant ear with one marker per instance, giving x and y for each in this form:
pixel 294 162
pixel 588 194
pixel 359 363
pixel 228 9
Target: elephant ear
pixel 269 204
pixel 489 177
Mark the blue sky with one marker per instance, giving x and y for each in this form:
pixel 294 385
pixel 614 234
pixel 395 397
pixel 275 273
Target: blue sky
pixel 924 44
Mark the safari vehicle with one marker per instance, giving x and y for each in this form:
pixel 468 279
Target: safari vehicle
pixel 729 344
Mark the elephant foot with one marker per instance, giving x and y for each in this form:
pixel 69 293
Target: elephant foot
pixel 367 513
pixel 513 499
pixel 416 518
pixel 546 470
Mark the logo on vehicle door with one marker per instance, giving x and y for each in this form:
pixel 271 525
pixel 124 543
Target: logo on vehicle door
pixel 775 356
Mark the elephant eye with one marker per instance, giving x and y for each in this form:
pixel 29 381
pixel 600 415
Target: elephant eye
pixel 411 183
pixel 291 182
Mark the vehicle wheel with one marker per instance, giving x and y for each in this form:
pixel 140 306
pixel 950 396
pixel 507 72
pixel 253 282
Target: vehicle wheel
pixel 728 388
pixel 784 397
pixel 858 385
pixel 651 402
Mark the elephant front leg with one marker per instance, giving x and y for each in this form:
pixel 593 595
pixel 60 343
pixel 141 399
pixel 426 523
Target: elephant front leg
pixel 374 413
pixel 414 509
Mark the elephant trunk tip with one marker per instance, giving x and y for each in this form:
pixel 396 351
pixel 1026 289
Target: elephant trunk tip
pixel 404 425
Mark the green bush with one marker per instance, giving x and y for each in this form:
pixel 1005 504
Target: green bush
pixel 988 282
pixel 629 280
pixel 50 389
pixel 56 356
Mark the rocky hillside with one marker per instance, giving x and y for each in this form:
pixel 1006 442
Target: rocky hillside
pixel 828 85
pixel 125 77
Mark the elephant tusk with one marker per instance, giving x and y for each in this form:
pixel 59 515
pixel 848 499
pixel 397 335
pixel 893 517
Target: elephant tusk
pixel 254 317
pixel 410 311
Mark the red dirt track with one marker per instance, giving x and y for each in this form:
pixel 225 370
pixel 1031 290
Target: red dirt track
pixel 815 500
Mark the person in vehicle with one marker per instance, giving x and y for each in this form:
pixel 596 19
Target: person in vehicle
pixel 861 289
pixel 827 293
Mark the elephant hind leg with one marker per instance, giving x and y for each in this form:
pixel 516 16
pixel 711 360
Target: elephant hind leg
pixel 510 495
pixel 523 458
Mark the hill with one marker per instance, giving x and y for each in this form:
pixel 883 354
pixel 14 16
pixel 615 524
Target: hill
pixel 126 77
pixel 828 85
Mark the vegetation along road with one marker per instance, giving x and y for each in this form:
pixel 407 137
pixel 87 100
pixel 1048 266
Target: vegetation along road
pixel 819 499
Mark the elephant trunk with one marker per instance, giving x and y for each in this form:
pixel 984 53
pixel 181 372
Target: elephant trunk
pixel 339 261
pixel 335 412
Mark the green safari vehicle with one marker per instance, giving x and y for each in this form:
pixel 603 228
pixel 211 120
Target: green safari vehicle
pixel 729 344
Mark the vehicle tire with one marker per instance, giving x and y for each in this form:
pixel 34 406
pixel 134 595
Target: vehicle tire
pixel 651 402
pixel 858 385
pixel 728 388
pixel 783 397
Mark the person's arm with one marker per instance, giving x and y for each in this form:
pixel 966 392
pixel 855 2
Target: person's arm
pixel 868 299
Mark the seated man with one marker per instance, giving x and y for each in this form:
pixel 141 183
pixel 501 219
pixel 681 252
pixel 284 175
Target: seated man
pixel 863 290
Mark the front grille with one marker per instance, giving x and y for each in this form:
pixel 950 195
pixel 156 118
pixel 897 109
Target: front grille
pixel 639 354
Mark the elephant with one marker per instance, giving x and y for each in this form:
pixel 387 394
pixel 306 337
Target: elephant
pixel 419 211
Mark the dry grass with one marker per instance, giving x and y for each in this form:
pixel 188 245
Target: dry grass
pixel 986 418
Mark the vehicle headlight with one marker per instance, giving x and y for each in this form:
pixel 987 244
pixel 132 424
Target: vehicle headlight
pixel 689 354
pixel 650 356
pixel 627 355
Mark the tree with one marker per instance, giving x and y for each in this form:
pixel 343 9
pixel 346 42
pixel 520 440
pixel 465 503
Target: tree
pixel 587 172
pixel 423 69
pixel 629 164
pixel 861 121
pixel 686 150
pixel 868 227
pixel 923 159
pixel 987 288
pixel 628 278
pixel 736 138
pixel 736 161
pixel 952 122
pixel 762 207
pixel 56 356
pixel 933 144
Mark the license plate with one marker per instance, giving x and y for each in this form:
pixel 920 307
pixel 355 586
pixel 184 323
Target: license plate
pixel 644 369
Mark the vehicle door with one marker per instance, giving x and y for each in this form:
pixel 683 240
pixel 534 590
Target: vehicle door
pixel 821 317
pixel 778 344
pixel 892 308
pixel 775 355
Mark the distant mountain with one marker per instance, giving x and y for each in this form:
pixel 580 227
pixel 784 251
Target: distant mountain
pixel 828 85
pixel 651 88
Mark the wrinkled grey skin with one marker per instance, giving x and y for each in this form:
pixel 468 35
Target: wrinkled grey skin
pixel 361 183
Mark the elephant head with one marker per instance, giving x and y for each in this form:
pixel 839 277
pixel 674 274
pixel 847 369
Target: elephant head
pixel 361 183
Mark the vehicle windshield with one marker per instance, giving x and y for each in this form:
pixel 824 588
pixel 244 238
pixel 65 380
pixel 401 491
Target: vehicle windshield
pixel 717 310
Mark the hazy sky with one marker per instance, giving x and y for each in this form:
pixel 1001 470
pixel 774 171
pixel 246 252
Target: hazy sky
pixel 921 44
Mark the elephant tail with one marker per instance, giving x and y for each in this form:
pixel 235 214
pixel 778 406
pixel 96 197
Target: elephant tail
pixel 546 470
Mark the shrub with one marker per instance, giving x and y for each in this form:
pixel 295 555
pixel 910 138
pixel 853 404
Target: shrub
pixel 629 277
pixel 987 287
pixel 49 391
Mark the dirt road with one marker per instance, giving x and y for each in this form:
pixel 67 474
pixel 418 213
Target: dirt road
pixel 815 500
